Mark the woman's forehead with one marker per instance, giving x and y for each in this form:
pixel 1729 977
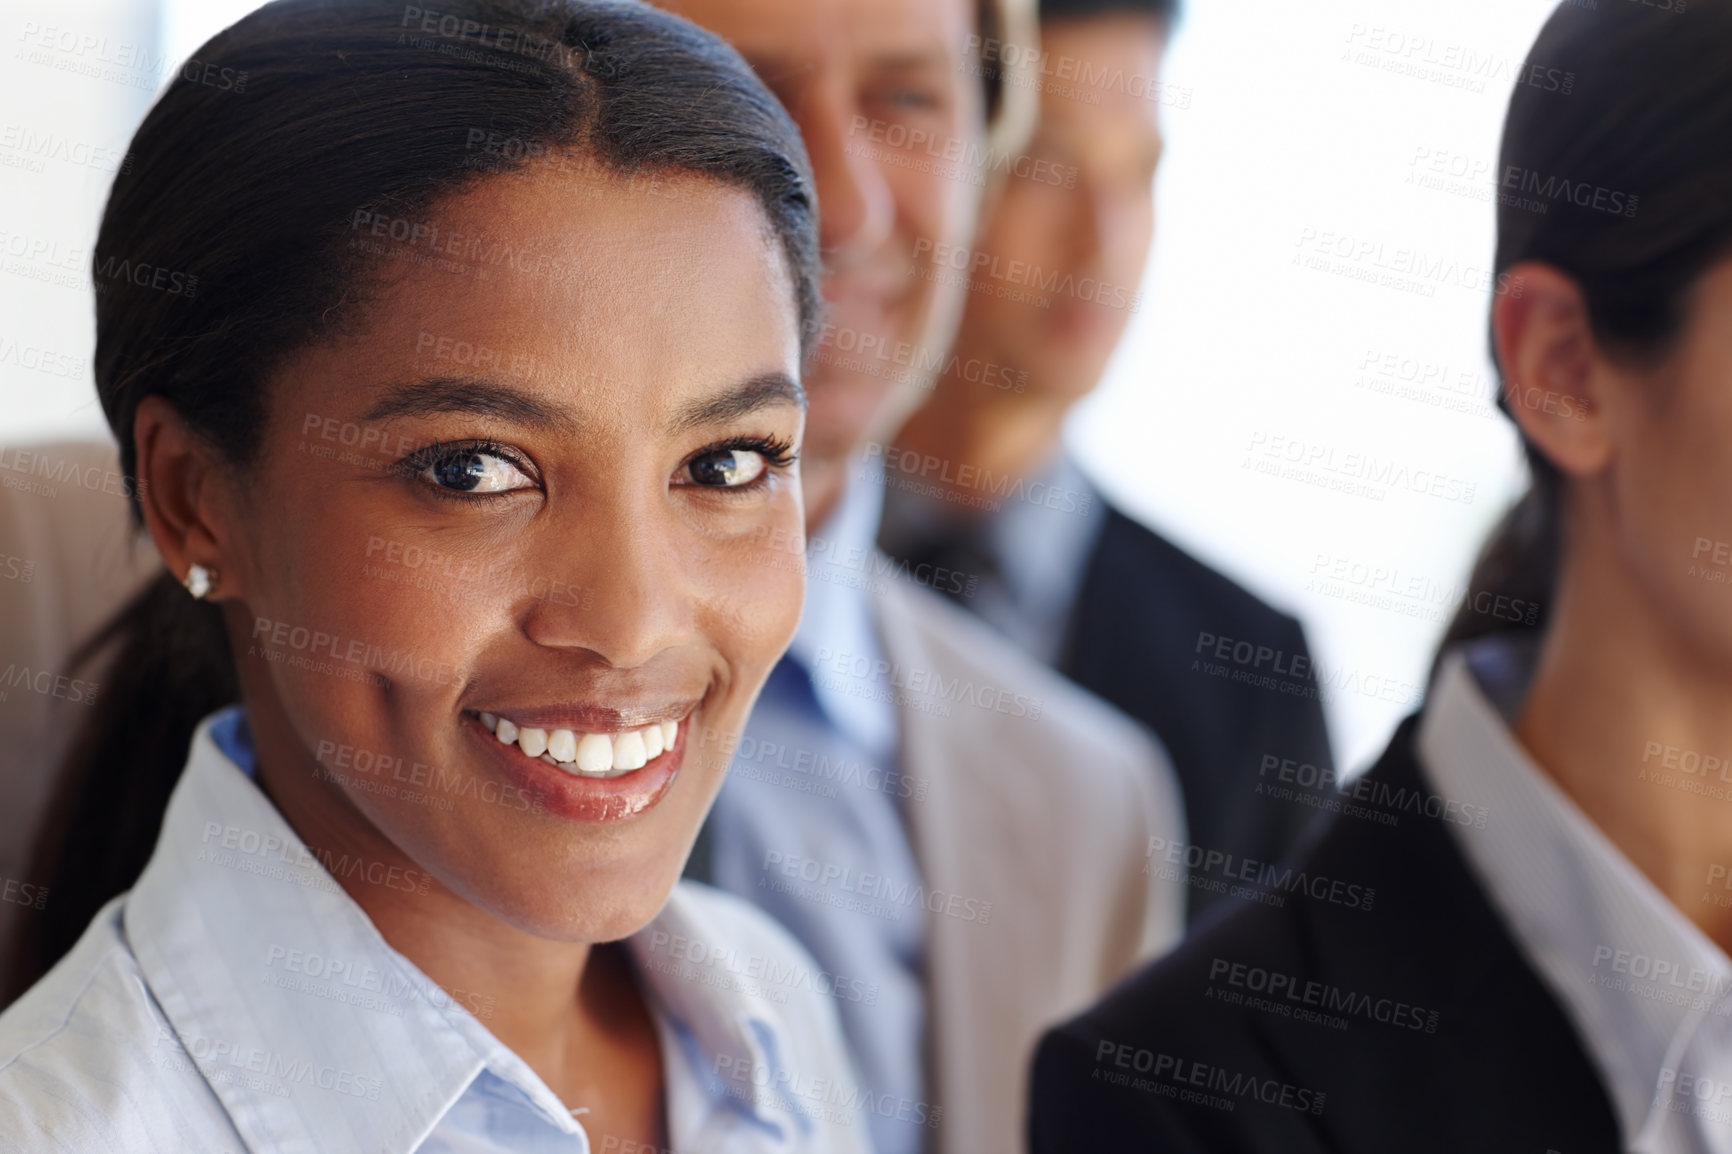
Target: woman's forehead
pixel 542 285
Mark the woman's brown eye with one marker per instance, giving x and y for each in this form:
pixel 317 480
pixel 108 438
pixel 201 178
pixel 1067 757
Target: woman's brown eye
pixel 727 468
pixel 475 471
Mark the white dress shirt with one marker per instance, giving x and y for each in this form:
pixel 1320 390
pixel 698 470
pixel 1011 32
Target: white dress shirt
pixel 238 999
pixel 1647 991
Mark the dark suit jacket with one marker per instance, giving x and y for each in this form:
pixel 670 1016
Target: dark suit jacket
pixel 1147 633
pixel 1445 1039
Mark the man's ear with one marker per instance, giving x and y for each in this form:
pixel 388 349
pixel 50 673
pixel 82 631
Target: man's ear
pixel 181 495
pixel 1552 367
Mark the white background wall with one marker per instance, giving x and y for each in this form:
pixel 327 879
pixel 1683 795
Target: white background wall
pixel 1305 138
pixel 1315 133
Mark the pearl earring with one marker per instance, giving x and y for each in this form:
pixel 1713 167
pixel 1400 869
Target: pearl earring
pixel 200 581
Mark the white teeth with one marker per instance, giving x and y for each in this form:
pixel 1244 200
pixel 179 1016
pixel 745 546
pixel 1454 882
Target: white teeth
pixel 595 753
pixel 590 754
pixel 628 751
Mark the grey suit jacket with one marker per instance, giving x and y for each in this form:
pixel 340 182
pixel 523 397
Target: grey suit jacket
pixel 67 560
pixel 1042 807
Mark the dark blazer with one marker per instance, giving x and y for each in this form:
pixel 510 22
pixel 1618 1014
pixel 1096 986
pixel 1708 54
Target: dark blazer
pixel 1444 1037
pixel 1146 635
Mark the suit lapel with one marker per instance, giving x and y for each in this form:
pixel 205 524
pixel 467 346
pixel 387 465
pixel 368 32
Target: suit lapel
pixel 1503 1050
pixel 1097 595
pixel 973 841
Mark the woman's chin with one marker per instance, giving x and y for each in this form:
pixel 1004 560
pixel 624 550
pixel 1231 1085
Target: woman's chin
pixel 583 908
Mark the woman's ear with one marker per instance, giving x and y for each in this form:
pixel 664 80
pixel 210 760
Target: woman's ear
pixel 181 495
pixel 1552 367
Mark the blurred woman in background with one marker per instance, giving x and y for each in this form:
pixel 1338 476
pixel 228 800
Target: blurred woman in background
pixel 1539 956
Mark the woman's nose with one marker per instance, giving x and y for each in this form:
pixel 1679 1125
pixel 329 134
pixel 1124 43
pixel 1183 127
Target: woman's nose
pixel 856 209
pixel 613 585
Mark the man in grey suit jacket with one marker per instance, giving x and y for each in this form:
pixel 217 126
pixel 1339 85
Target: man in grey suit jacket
pixel 956 835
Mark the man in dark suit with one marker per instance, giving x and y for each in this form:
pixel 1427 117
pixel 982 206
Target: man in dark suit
pixel 983 504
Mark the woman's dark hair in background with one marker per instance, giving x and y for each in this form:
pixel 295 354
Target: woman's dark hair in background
pixel 350 107
pixel 1616 168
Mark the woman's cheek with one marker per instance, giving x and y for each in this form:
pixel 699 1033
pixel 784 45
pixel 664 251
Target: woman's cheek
pixel 783 593
pixel 756 599
pixel 354 632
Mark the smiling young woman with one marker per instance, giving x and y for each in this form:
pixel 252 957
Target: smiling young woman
pixel 466 452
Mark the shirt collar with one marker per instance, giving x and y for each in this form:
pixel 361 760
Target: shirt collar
pixel 729 1034
pixel 1044 535
pixel 315 1034
pixel 1580 910
pixel 1032 540
pixel 837 627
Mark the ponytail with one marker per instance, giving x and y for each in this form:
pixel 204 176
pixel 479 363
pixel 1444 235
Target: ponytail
pixel 1520 562
pixel 1632 168
pixel 170 667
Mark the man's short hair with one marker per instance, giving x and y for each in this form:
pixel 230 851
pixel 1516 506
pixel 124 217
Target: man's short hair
pixel 1163 10
pixel 1012 101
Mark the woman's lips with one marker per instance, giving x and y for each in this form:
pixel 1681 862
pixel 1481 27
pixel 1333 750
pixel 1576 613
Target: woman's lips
pixel 596 777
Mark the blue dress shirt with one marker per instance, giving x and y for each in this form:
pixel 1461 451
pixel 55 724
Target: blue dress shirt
pixel 809 824
pixel 238 999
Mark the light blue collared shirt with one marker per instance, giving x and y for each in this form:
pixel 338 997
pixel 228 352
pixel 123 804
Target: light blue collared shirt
pixel 809 824
pixel 238 999
pixel 837 627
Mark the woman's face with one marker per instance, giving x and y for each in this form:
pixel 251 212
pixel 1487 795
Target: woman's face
pixel 1671 484
pixel 542 486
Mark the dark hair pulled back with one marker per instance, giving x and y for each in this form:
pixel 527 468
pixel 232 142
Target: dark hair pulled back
pixel 1616 169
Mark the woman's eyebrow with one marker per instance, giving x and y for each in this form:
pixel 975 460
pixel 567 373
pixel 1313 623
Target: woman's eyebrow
pixel 475 396
pixel 761 391
pixel 483 398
